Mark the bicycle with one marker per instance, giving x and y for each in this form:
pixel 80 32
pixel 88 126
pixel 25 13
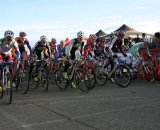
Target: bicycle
pixel 54 65
pixel 76 76
pixel 87 64
pixel 6 83
pixel 22 74
pixel 120 73
pixel 144 69
pixel 42 74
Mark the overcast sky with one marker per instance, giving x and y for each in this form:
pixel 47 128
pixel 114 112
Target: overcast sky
pixel 64 18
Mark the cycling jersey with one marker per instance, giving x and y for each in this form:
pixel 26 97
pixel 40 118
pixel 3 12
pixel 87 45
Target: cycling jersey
pixel 22 43
pixel 6 48
pixel 73 47
pixel 136 47
pixel 88 48
pixel 39 50
pixel 115 45
pixel 61 50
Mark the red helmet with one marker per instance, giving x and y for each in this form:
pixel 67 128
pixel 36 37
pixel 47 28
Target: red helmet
pixel 93 36
pixel 121 33
pixel 22 34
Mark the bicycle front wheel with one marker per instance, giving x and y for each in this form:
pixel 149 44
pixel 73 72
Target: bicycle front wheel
pixel 122 76
pixel 148 73
pixel 9 90
pixel 60 80
pixel 101 77
pixel 45 79
pixel 82 81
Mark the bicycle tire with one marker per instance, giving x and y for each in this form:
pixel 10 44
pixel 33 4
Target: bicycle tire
pixel 52 77
pixel 9 90
pixel 81 80
pixel 121 73
pixel 101 77
pixel 25 87
pixel 59 79
pixel 45 83
pixel 148 73
pixel 92 78
pixel 2 93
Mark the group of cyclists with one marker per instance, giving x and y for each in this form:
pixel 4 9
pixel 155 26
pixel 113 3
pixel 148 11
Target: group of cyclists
pixel 13 48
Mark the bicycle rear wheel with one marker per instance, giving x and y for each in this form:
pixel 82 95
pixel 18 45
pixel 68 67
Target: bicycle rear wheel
pixel 148 73
pixel 122 76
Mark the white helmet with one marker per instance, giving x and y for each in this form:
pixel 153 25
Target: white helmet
pixel 80 34
pixel 43 37
pixel 9 34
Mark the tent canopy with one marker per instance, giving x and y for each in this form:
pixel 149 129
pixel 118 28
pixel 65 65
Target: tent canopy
pixel 130 32
pixel 125 28
pixel 100 33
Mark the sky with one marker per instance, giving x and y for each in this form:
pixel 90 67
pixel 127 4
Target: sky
pixel 64 18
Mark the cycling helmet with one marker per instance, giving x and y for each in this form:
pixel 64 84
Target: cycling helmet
pixel 93 36
pixel 62 42
pixel 121 33
pixel 43 38
pixel 53 40
pixel 80 34
pixel 9 34
pixel 22 34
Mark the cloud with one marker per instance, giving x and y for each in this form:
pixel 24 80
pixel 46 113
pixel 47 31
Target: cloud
pixel 151 26
pixel 142 7
pixel 112 17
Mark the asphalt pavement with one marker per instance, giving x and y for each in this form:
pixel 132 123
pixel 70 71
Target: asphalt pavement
pixel 108 107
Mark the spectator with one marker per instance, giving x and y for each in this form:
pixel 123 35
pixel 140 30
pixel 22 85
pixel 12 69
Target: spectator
pixel 137 39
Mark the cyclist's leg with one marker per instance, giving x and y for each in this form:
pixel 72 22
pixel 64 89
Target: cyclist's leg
pixel 24 56
pixel 66 66
pixel 11 69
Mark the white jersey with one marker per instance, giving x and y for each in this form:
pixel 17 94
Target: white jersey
pixel 111 42
pixel 6 48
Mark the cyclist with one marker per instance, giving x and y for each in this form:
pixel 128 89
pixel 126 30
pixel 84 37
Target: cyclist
pixel 53 48
pixel 22 41
pixel 136 48
pixel 115 45
pixel 61 49
pixel 73 51
pixel 41 51
pixel 6 45
pixel 99 47
pixel 88 48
